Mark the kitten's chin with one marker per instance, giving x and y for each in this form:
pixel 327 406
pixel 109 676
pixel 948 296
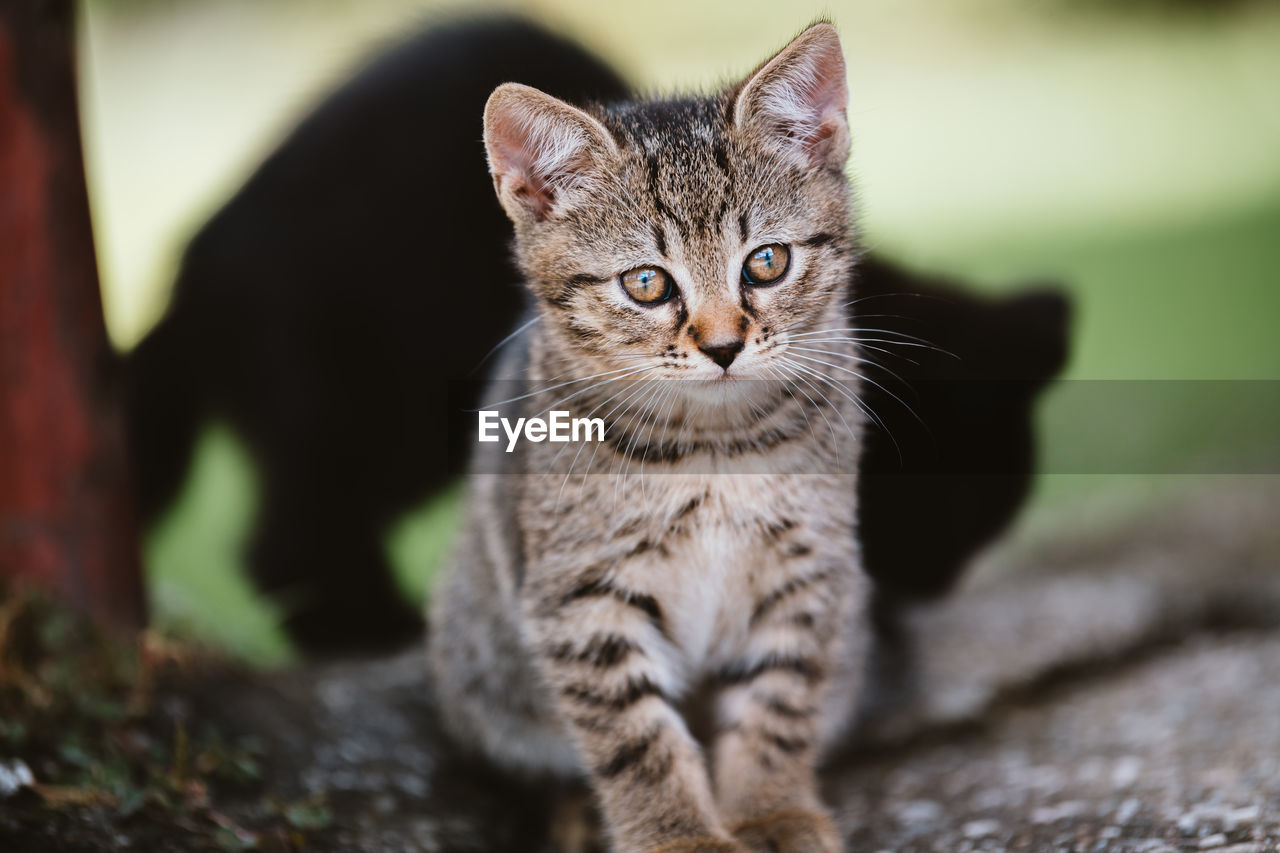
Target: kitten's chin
pixel 729 398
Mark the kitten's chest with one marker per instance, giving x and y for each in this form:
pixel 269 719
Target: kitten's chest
pixel 719 559
pixel 706 583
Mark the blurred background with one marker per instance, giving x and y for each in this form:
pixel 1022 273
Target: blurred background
pixel 1130 150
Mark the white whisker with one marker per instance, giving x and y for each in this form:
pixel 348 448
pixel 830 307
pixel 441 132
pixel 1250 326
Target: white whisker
pixel 801 370
pixel 566 399
pixel 554 387
pixel 582 444
pixel 866 378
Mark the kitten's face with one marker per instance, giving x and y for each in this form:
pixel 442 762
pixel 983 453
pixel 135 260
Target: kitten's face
pixel 687 237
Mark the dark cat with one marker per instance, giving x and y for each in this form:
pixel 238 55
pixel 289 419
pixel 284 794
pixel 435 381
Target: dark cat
pixel 323 309
pixel 949 464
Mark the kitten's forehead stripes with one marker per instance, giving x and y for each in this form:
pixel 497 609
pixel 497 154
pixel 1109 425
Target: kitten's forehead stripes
pixel 655 195
pixel 720 156
pixel 684 147
pixel 660 239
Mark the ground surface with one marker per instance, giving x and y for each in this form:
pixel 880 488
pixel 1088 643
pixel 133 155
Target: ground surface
pixel 1114 693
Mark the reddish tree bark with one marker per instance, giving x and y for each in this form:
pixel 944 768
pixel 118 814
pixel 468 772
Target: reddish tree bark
pixel 66 521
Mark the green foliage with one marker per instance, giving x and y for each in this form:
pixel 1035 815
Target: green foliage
pixel 89 712
pixel 194 557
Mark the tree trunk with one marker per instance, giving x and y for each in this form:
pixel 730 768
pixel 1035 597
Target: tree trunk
pixel 66 520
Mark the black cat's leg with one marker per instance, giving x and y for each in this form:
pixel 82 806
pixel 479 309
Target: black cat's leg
pixel 328 572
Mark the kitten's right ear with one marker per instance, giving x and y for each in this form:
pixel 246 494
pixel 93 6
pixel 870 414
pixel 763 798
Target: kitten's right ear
pixel 797 100
pixel 543 153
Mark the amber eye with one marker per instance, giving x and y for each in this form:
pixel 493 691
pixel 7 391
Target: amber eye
pixel 648 285
pixel 767 264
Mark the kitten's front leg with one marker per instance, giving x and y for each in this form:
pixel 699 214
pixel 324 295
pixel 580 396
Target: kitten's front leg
pixel 600 647
pixel 770 706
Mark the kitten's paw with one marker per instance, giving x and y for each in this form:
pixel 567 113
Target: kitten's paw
pixel 795 831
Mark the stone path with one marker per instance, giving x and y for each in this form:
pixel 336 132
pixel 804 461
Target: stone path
pixel 1115 691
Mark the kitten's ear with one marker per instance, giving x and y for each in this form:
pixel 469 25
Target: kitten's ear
pixel 797 100
pixel 543 153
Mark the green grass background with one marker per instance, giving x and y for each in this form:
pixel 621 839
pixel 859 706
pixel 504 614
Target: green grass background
pixel 1129 150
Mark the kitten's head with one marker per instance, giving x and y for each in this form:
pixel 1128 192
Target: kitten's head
pixel 688 235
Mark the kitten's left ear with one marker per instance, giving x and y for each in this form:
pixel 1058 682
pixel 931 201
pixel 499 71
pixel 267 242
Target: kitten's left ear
pixel 544 154
pixel 797 100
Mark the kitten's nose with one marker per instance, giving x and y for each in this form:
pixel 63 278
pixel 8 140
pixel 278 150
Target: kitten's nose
pixel 723 353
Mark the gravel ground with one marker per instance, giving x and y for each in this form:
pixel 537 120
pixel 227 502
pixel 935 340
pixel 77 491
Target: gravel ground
pixel 1179 750
pixel 1114 692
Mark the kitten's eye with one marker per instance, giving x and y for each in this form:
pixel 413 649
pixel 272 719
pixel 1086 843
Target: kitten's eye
pixel 648 285
pixel 767 264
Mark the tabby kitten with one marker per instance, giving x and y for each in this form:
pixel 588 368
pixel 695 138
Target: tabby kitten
pixel 701 563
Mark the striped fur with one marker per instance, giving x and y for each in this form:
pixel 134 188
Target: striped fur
pixel 707 549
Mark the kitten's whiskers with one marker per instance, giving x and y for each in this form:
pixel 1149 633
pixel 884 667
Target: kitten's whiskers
pixel 554 387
